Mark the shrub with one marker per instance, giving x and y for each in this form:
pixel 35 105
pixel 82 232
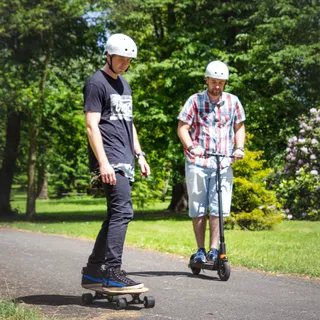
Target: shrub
pixel 145 190
pixel 258 219
pixel 253 206
pixel 298 183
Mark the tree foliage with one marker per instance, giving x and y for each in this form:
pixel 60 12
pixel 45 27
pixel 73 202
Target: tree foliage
pixel 49 48
pixel 38 40
pixel 279 67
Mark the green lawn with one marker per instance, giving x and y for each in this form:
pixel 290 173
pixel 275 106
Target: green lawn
pixel 291 248
pixel 13 311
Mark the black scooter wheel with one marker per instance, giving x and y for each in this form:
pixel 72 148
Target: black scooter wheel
pixel 194 271
pixel 224 270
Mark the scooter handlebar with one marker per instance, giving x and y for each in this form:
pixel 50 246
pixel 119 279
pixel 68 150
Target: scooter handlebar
pixel 215 154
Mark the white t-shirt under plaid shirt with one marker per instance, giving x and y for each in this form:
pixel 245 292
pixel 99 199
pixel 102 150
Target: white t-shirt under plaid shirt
pixel 212 125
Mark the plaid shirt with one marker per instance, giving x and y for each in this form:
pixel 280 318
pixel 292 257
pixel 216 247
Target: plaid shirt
pixel 212 125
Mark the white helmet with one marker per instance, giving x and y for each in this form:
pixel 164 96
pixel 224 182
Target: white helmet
pixel 121 45
pixel 217 70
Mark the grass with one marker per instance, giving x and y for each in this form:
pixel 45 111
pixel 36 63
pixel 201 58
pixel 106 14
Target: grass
pixel 290 248
pixel 10 310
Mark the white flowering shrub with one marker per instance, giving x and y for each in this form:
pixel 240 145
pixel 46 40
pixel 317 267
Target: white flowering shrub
pixel 298 184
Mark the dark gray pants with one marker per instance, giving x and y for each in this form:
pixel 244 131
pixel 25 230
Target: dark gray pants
pixel 108 248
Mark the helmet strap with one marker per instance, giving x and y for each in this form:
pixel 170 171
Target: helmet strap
pixel 110 64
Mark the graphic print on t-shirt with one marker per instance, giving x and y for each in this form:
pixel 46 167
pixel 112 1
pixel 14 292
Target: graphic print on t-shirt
pixel 121 107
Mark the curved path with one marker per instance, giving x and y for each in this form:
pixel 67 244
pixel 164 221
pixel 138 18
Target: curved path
pixel 45 271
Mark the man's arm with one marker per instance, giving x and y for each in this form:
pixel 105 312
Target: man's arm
pixel 183 133
pixel 240 136
pixel 92 120
pixel 144 167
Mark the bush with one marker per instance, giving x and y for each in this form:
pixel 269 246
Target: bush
pixel 145 190
pixel 253 206
pixel 258 219
pixel 298 183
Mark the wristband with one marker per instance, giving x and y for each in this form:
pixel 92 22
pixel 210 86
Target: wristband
pixel 138 155
pixel 190 148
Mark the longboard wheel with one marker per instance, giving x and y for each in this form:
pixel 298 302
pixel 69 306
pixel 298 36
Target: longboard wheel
pixel 87 298
pixel 121 303
pixel 149 302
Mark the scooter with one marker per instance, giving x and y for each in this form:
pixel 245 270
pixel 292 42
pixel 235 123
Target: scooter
pixel 221 264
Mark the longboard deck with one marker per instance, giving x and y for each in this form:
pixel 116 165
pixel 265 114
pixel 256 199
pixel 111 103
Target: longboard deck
pixel 112 291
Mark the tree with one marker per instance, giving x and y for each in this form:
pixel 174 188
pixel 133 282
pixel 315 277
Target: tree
pixel 278 61
pixel 35 39
pixel 176 40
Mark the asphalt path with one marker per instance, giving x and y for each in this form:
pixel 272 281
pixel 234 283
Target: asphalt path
pixel 45 271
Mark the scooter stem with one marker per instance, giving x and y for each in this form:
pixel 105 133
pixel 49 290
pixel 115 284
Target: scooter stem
pixel 222 249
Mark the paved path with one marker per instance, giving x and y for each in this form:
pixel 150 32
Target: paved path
pixel 44 271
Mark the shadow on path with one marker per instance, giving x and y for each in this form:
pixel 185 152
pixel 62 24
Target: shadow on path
pixel 65 300
pixel 146 274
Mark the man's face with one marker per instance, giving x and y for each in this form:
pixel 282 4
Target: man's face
pixel 215 86
pixel 120 64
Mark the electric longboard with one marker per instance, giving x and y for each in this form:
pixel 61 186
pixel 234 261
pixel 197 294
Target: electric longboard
pixel 116 296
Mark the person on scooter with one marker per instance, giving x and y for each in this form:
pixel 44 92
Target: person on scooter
pixel 210 121
pixel 113 146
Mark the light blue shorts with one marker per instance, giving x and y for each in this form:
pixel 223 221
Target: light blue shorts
pixel 202 190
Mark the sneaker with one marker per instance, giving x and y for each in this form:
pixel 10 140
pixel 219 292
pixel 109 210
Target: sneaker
pixel 92 277
pixel 200 256
pixel 212 255
pixel 118 281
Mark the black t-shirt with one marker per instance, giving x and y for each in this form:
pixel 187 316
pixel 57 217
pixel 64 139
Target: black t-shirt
pixel 112 98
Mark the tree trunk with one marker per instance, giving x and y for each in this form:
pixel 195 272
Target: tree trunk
pixel 179 201
pixel 32 195
pixel 35 122
pixel 8 163
pixel 42 189
pixel 166 186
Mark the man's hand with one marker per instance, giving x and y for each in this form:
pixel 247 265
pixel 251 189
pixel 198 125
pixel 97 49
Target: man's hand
pixel 238 154
pixel 107 174
pixel 144 167
pixel 196 151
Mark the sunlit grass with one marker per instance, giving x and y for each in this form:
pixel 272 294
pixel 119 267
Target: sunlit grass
pixel 12 311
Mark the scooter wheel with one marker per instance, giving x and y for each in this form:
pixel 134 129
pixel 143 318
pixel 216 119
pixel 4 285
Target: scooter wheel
pixel 224 271
pixel 194 271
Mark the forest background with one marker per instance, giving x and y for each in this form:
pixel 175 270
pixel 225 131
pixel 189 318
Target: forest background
pixel 49 49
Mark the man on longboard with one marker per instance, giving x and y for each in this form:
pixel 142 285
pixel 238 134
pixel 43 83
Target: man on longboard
pixel 113 145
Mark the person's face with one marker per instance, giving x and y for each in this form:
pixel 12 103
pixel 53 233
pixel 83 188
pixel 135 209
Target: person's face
pixel 120 64
pixel 215 86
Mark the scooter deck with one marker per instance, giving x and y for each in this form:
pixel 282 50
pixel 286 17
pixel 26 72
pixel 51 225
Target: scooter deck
pixel 206 265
